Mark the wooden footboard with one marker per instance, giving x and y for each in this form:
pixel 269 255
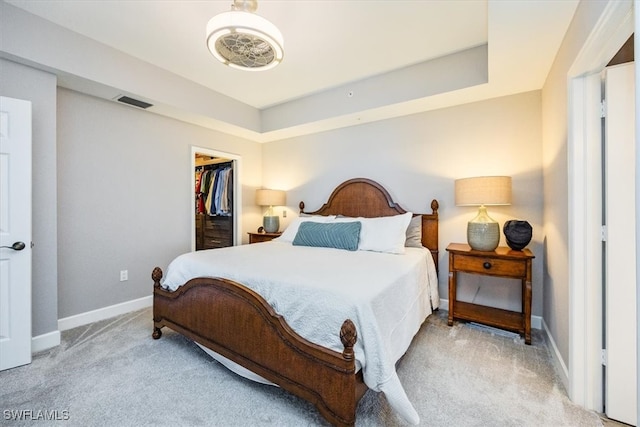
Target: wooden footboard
pixel 239 324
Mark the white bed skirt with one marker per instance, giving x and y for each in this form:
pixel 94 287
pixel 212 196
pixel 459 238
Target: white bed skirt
pixel 234 367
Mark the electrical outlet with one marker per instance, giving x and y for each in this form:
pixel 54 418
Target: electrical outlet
pixel 124 275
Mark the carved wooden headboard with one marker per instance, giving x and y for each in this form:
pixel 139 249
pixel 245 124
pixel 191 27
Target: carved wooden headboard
pixel 362 197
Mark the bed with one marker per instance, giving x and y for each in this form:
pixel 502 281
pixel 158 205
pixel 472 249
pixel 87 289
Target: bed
pixel 235 320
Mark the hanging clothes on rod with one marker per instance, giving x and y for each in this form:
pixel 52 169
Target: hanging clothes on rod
pixel 214 190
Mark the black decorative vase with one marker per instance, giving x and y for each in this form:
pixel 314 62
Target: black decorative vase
pixel 518 234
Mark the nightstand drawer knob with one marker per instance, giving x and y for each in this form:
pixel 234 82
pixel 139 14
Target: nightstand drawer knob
pixel 486 265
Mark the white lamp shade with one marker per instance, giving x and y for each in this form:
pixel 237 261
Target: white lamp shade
pixel 483 190
pixel 265 197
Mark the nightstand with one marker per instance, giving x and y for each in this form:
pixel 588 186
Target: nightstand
pixel 262 237
pixel 503 262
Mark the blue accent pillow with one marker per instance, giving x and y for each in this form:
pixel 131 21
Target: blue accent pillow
pixel 339 235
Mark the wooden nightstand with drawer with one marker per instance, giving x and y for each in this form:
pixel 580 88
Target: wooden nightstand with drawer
pixel 262 237
pixel 503 262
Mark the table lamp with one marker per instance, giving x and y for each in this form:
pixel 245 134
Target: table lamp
pixel 483 232
pixel 271 198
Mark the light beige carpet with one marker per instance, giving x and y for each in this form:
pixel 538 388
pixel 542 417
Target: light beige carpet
pixel 112 373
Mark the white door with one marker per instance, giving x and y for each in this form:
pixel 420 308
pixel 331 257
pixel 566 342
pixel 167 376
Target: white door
pixel 15 232
pixel 620 286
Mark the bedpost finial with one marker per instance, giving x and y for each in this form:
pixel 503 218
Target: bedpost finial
pixel 156 276
pixel 348 336
pixel 301 206
pixel 434 206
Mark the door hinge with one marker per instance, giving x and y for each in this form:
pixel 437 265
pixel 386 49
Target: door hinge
pixel 603 109
pixel 603 356
pixel 603 233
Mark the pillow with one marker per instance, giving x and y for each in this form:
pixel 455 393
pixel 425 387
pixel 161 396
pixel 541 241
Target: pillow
pixel 290 232
pixel 340 235
pixel 414 233
pixel 382 234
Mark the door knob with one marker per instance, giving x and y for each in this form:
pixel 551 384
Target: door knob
pixel 17 246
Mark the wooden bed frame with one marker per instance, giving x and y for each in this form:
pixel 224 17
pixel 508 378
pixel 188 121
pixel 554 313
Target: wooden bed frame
pixel 239 324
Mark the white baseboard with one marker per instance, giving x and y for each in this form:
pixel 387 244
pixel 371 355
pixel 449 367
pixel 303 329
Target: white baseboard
pixel 104 313
pixel 556 357
pixel 45 341
pixel 536 321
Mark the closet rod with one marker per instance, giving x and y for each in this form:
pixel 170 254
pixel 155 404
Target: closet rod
pixel 213 166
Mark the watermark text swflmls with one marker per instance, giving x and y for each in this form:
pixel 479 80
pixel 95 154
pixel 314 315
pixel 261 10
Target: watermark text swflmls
pixel 35 414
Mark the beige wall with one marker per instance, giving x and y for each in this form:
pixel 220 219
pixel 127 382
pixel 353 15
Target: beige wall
pixel 417 158
pixel 124 196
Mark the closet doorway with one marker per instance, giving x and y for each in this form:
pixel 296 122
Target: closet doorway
pixel 215 190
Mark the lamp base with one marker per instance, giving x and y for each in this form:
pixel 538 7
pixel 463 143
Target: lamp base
pixel 483 232
pixel 271 224
pixel 483 236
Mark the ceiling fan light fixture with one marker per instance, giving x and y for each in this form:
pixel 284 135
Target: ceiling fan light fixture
pixel 243 40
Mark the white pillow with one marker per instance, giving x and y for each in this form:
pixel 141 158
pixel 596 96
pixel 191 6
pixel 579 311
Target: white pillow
pixel 292 229
pixel 382 234
pixel 385 234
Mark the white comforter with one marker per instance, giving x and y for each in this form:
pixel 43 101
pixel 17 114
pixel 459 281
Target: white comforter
pixel 387 296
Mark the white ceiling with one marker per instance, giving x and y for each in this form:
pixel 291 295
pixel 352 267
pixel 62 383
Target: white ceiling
pixel 329 43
